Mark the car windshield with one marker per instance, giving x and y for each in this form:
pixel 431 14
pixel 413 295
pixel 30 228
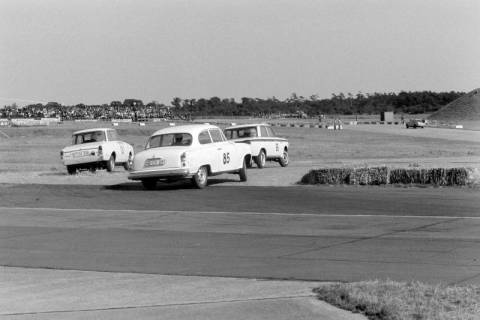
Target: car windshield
pixel 169 139
pixel 87 137
pixel 238 133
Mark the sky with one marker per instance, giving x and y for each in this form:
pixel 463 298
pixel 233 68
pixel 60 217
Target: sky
pixel 97 51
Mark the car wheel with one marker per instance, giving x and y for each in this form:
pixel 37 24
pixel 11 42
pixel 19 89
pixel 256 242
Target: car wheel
pixel 92 169
pixel 149 184
pixel 111 163
pixel 200 178
pixel 71 170
pixel 243 171
pixel 127 165
pixel 284 159
pixel 249 162
pixel 261 159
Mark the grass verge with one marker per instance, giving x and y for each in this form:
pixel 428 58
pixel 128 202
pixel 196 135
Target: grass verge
pixel 390 300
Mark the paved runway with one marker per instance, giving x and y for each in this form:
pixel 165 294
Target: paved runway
pixel 303 233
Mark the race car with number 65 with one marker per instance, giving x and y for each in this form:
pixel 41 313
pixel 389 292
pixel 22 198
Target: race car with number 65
pixel 189 152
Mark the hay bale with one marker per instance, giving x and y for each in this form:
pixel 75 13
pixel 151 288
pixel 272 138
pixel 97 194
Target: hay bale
pixel 385 175
pixel 369 176
pixel 309 178
pixel 327 176
pixel 434 176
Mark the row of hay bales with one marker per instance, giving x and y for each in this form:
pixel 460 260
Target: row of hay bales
pixel 385 175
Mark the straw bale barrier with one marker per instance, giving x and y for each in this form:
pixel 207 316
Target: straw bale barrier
pixel 385 175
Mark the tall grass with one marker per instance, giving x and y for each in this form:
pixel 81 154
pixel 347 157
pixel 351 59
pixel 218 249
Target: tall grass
pixel 390 300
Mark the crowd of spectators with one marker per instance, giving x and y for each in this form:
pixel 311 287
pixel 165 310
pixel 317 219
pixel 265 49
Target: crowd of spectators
pixel 130 109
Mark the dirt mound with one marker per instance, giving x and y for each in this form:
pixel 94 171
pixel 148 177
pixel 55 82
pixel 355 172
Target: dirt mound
pixel 467 107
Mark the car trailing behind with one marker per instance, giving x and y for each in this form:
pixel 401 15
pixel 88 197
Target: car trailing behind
pixel 189 152
pixel 96 148
pixel 265 145
pixel 415 123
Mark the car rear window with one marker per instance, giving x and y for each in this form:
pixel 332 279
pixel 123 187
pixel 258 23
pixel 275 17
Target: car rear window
pixel 87 137
pixel 169 140
pixel 239 133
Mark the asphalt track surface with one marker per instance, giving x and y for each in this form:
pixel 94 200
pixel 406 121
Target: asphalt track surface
pixel 304 232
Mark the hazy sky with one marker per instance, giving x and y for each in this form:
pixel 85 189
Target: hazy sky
pixel 97 51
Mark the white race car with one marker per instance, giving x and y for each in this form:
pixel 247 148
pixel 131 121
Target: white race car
pixel 96 148
pixel 189 152
pixel 264 143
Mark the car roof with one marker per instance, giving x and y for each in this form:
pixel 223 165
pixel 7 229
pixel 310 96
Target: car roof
pixel 238 126
pixel 189 128
pixel 92 129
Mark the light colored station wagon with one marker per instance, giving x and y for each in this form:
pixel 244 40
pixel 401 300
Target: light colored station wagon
pixel 265 145
pixel 96 148
pixel 189 152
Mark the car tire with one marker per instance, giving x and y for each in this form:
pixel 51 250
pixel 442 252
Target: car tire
pixel 249 162
pixel 261 159
pixel 71 170
pixel 243 171
pixel 200 179
pixel 149 184
pixel 127 165
pixel 111 163
pixel 284 159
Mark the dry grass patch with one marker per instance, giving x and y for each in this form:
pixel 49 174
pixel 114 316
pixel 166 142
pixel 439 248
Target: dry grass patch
pixel 390 300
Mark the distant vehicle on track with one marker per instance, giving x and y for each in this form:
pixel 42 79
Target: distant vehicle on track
pixel 265 145
pixel 189 152
pixel 97 148
pixel 415 123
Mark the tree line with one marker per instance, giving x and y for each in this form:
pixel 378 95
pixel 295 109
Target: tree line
pixel 342 104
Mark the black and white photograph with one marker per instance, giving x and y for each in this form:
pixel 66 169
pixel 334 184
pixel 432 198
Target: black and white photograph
pixel 249 159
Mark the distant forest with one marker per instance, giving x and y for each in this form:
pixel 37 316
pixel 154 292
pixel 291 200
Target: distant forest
pixel 341 104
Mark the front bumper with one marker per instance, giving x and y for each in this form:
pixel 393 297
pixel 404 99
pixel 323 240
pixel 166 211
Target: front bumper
pixel 160 174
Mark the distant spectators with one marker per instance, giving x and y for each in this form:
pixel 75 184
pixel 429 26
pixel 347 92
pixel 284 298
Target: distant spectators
pixel 130 109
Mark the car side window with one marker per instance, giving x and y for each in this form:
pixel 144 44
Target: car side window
pixel 204 137
pixel 217 135
pixel 263 131
pixel 112 135
pixel 270 132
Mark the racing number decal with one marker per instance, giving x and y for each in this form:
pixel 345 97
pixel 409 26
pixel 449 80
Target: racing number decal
pixel 226 158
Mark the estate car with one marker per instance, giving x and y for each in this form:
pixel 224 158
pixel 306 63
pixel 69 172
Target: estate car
pixel 189 152
pixel 96 148
pixel 265 145
pixel 415 123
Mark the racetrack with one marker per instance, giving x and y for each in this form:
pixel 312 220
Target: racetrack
pixel 303 232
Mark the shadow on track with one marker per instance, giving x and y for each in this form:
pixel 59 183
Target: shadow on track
pixel 177 185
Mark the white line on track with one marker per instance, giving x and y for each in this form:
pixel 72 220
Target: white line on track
pixel 240 213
